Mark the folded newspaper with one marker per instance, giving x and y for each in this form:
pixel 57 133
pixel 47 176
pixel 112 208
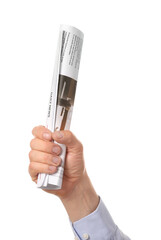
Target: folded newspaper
pixel 62 95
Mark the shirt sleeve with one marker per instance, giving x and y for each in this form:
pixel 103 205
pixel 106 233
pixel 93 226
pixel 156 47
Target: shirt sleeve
pixel 98 225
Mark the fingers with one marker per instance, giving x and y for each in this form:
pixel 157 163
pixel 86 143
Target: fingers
pixel 42 132
pixel 35 168
pixel 67 137
pixel 44 154
pixel 46 158
pixel 45 146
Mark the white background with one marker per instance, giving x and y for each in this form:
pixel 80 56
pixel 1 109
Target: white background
pixel 117 113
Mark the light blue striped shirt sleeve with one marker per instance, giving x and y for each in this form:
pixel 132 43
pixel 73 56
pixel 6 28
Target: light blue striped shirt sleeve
pixel 98 225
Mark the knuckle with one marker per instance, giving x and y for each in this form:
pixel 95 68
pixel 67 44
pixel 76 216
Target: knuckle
pixel 33 130
pixel 30 154
pixel 31 166
pixel 32 142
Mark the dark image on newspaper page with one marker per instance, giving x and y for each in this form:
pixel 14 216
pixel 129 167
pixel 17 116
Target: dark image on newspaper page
pixel 65 102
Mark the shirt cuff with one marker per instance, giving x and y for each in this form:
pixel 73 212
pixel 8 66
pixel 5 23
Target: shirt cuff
pixel 97 225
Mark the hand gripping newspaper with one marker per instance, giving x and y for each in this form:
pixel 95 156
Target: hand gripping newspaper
pixel 62 95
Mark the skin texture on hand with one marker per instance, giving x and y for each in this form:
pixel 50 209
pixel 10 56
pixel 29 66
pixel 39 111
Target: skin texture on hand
pixel 77 194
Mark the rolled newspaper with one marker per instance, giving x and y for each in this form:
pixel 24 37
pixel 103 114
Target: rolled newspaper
pixel 62 95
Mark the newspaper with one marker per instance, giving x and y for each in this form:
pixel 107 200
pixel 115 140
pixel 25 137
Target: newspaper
pixel 62 94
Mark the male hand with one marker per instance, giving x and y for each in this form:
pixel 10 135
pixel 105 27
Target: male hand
pixel 44 157
pixel 77 193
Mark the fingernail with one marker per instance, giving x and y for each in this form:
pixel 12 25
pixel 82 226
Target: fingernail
pixel 55 160
pixel 59 134
pixel 51 168
pixel 56 149
pixel 47 136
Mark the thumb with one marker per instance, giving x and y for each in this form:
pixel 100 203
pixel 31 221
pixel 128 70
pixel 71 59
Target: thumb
pixel 67 137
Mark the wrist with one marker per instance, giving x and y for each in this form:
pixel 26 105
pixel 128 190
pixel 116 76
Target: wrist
pixel 82 201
